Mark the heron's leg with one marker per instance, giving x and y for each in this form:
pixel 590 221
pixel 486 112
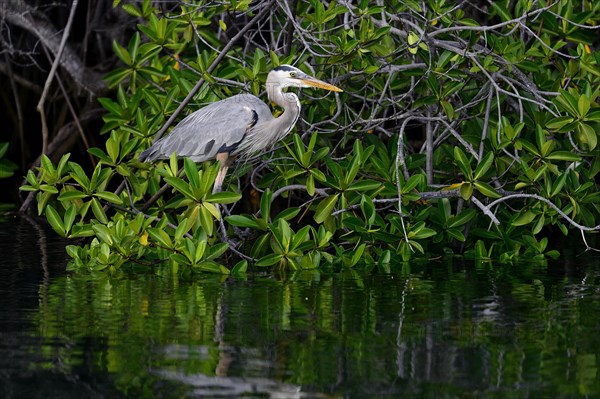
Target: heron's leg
pixel 223 158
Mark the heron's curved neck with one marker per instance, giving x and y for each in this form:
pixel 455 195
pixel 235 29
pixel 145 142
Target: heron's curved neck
pixel 284 100
pixel 290 104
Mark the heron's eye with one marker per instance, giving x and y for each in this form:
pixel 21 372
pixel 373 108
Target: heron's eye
pixel 292 74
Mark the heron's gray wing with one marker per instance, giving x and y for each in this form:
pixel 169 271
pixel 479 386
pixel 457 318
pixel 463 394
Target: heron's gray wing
pixel 218 127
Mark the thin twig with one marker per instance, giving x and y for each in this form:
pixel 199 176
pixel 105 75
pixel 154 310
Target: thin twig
pixel 40 106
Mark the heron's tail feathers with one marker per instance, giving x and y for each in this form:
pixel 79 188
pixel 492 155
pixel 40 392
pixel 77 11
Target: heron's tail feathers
pixel 148 155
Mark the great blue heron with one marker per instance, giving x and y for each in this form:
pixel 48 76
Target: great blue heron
pixel 239 125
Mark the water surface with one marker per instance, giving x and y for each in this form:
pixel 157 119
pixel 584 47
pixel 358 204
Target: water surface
pixel 447 329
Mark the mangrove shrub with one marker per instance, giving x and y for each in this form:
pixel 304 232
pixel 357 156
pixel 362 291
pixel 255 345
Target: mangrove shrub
pixel 464 128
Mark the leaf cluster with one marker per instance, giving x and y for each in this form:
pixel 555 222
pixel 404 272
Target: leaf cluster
pixel 450 129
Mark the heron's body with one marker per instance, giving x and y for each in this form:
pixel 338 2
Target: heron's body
pixel 208 131
pixel 238 125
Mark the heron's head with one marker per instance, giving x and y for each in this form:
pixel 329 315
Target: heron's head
pixel 289 76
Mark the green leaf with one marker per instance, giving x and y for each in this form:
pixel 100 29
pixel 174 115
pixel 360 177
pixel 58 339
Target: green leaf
pixel 300 237
pixel 364 185
pixel 103 233
pixel 524 218
pixel 320 176
pixel 112 147
pixel 211 267
pixel 265 204
pixel 456 234
pixel 49 189
pixel 583 105
pixel 559 122
pixel 269 260
pixel 181 186
pixel 99 211
pixel 564 156
pixel 282 234
pixel 70 217
pixel 180 259
pixel 243 221
pixel 461 218
pixel 160 236
pixel 288 213
pixel 217 250
pixel 80 231
pixel 47 164
pixel 558 184
pixel 240 268
pixel 539 224
pixel 594 115
pixel 486 190
pixel 484 165
pixel 128 8
pixel 173 164
pixel 357 255
pixel 206 217
pixel 422 233
pixel 134 45
pixel 413 182
pixel 463 163
pixel 569 103
pixel 466 190
pixel 71 195
pixel 98 153
pixel 79 175
pixel 310 185
pixel 325 208
pixel 368 209
pixel 122 53
pixel 412 39
pixel 224 197
pixel 191 171
pixel 42 199
pixel 55 220
pixel 110 197
pixel 587 135
pixel 501 11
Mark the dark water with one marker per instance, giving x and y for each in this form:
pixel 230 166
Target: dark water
pixel 447 329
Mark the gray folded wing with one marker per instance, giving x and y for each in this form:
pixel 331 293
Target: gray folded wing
pixel 219 127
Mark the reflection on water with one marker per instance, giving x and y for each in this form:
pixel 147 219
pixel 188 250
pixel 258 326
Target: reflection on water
pixel 446 329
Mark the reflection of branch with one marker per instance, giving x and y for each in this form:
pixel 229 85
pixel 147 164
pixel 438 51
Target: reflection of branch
pixel 43 244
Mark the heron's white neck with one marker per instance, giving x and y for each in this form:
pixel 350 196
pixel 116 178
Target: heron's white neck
pixel 290 104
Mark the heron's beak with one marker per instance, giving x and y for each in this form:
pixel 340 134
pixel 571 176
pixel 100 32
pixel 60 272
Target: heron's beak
pixel 310 81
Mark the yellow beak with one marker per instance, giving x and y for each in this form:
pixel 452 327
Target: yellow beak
pixel 310 81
